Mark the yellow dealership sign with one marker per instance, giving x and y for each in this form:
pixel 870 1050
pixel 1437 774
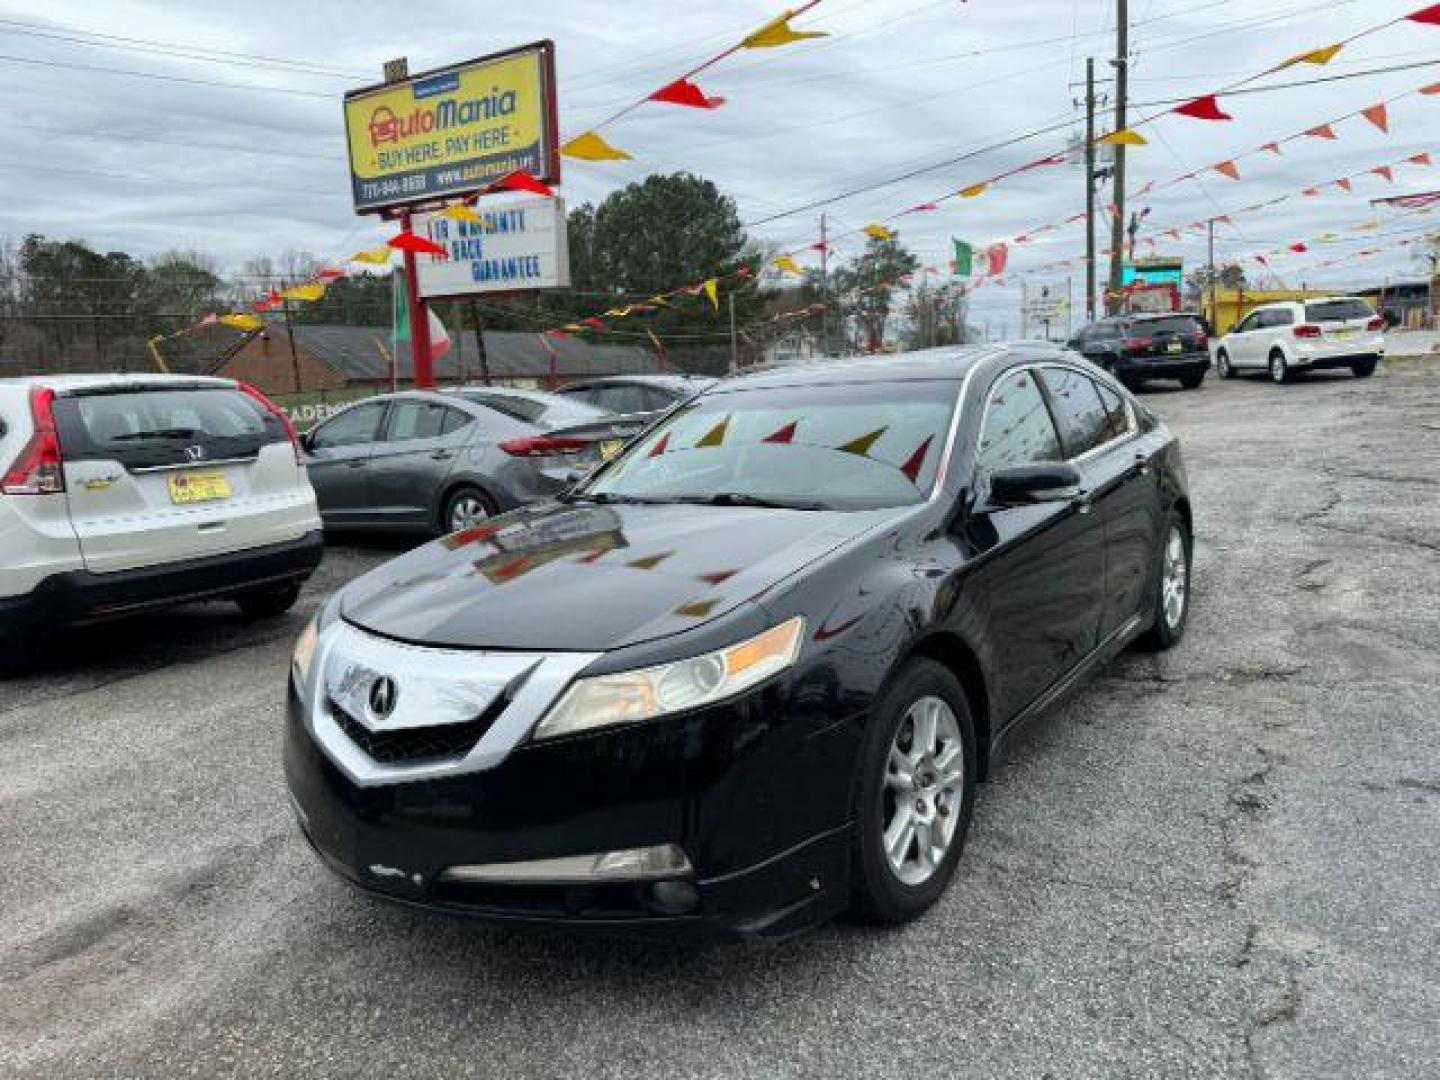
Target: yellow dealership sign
pixel 454 130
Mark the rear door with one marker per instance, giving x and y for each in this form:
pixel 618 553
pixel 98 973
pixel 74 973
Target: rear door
pixel 338 461
pixel 415 453
pixel 158 474
pixel 1344 325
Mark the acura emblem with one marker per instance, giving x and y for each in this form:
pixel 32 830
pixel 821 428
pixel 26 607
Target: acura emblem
pixel 195 453
pixel 383 695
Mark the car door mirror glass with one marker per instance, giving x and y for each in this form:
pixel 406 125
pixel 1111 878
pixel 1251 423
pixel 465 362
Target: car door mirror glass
pixel 1026 485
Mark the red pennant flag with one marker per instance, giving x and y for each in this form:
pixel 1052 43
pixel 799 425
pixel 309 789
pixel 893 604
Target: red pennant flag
pixel 784 435
pixel 1273 147
pixel 1431 90
pixel 1299 249
pixel 1203 108
pixel 661 446
pixel 409 241
pixel 557 332
pixel 1227 168
pixel 922 206
pixel 685 92
pixel 1378 116
pixel 520 180
pixel 1419 159
pixel 1311 191
pixel 1223 219
pixel 1323 131
pixel 1343 182
pixel 997 255
pixel 916 461
pixel 1429 15
pixel 1386 171
pixel 821 247
pixel 329 274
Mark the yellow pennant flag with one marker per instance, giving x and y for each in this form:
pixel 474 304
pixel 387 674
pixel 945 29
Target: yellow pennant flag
pixel 1318 57
pixel 778 32
pixel 377 256
pixel 863 444
pixel 973 190
pixel 592 147
pixel 1123 137
pixel 716 435
pixel 789 265
pixel 461 212
pixel 1368 226
pixel 878 232
pixel 712 290
pixel 241 321
pixel 311 290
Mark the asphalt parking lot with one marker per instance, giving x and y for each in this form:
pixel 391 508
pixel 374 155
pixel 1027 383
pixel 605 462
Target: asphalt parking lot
pixel 1224 861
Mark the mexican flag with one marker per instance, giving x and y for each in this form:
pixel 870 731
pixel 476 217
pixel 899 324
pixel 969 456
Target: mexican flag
pixel 439 336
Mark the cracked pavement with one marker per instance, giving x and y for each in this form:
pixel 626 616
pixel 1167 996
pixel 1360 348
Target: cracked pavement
pixel 1219 862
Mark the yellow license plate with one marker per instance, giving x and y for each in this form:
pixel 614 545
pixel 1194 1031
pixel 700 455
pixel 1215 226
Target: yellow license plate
pixel 197 487
pixel 610 447
pixel 1345 333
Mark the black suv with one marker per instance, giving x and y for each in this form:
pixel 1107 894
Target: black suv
pixel 1137 348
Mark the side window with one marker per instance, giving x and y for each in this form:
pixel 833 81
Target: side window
pixel 1250 322
pixel 414 420
pixel 1115 409
pixel 1279 317
pixel 1079 411
pixel 1017 429
pixel 622 398
pixel 453 421
pixel 351 428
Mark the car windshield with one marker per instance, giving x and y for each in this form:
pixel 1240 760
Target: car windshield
pixel 545 411
pixel 1337 311
pixel 855 446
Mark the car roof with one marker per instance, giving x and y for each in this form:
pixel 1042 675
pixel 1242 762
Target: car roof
pixel 946 362
pixel 1142 316
pixel 68 384
pixel 669 381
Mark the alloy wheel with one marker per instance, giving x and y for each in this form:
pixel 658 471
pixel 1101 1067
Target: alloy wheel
pixel 1277 368
pixel 1174 579
pixel 467 511
pixel 924 791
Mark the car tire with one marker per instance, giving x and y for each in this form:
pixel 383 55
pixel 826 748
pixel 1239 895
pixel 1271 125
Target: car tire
pixel 464 508
pixel 1222 365
pixel 933 802
pixel 1279 367
pixel 269 602
pixel 1363 369
pixel 1172 573
pixel 1192 382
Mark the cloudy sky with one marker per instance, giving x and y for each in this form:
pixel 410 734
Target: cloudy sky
pixel 145 126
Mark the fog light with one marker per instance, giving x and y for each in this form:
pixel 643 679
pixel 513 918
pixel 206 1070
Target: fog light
pixel 674 897
pixel 630 864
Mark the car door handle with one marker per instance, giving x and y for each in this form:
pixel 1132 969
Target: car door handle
pixel 1083 501
pixel 1142 464
pixel 442 455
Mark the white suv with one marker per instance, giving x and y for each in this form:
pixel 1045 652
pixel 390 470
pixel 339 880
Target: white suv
pixel 1304 335
pixel 121 492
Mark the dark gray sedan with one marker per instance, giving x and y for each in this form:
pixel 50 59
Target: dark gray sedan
pixel 437 462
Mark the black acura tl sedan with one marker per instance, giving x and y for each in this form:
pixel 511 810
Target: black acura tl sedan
pixel 747 674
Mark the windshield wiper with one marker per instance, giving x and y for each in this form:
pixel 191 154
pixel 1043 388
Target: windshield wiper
pixel 740 498
pixel 606 498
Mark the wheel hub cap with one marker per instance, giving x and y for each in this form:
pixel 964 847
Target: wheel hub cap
pixel 1174 579
pixel 923 786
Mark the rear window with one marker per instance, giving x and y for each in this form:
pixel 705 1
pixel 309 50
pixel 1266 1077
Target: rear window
pixel 1171 324
pixel 546 413
pixel 1338 311
pixel 152 428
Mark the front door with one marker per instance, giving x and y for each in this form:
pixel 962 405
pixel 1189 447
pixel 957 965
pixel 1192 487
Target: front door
pixel 1039 570
pixel 337 459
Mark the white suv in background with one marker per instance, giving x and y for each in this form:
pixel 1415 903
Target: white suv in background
pixel 120 493
pixel 1304 335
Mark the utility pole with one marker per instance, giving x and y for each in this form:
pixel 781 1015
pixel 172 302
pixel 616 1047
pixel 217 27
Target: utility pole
pixel 479 327
pixel 294 356
pixel 1090 189
pixel 1122 82
pixel 734 345
pixel 1212 316
pixel 824 290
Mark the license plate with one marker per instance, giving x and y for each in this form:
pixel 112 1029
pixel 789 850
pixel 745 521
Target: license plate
pixel 198 487
pixel 1175 346
pixel 610 447
pixel 1344 333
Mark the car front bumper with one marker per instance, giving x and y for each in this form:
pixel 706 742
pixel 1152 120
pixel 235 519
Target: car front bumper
pixel 81 596
pixel 760 810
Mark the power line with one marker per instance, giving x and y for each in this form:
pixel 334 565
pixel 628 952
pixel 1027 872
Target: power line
pixel 186 79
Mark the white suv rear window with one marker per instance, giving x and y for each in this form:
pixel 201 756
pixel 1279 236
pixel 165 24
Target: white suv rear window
pixel 1338 311
pixel 146 428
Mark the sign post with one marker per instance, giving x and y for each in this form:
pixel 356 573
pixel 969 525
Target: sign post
pixel 416 142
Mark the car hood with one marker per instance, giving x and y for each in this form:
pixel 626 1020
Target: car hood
pixel 587 578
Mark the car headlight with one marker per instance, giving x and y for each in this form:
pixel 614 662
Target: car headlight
pixel 304 655
pixel 630 696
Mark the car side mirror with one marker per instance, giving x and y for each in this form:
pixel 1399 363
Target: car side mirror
pixel 1026 485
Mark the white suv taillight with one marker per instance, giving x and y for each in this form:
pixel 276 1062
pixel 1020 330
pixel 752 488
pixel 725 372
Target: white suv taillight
pixel 1377 323
pixel 279 414
pixel 40 469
